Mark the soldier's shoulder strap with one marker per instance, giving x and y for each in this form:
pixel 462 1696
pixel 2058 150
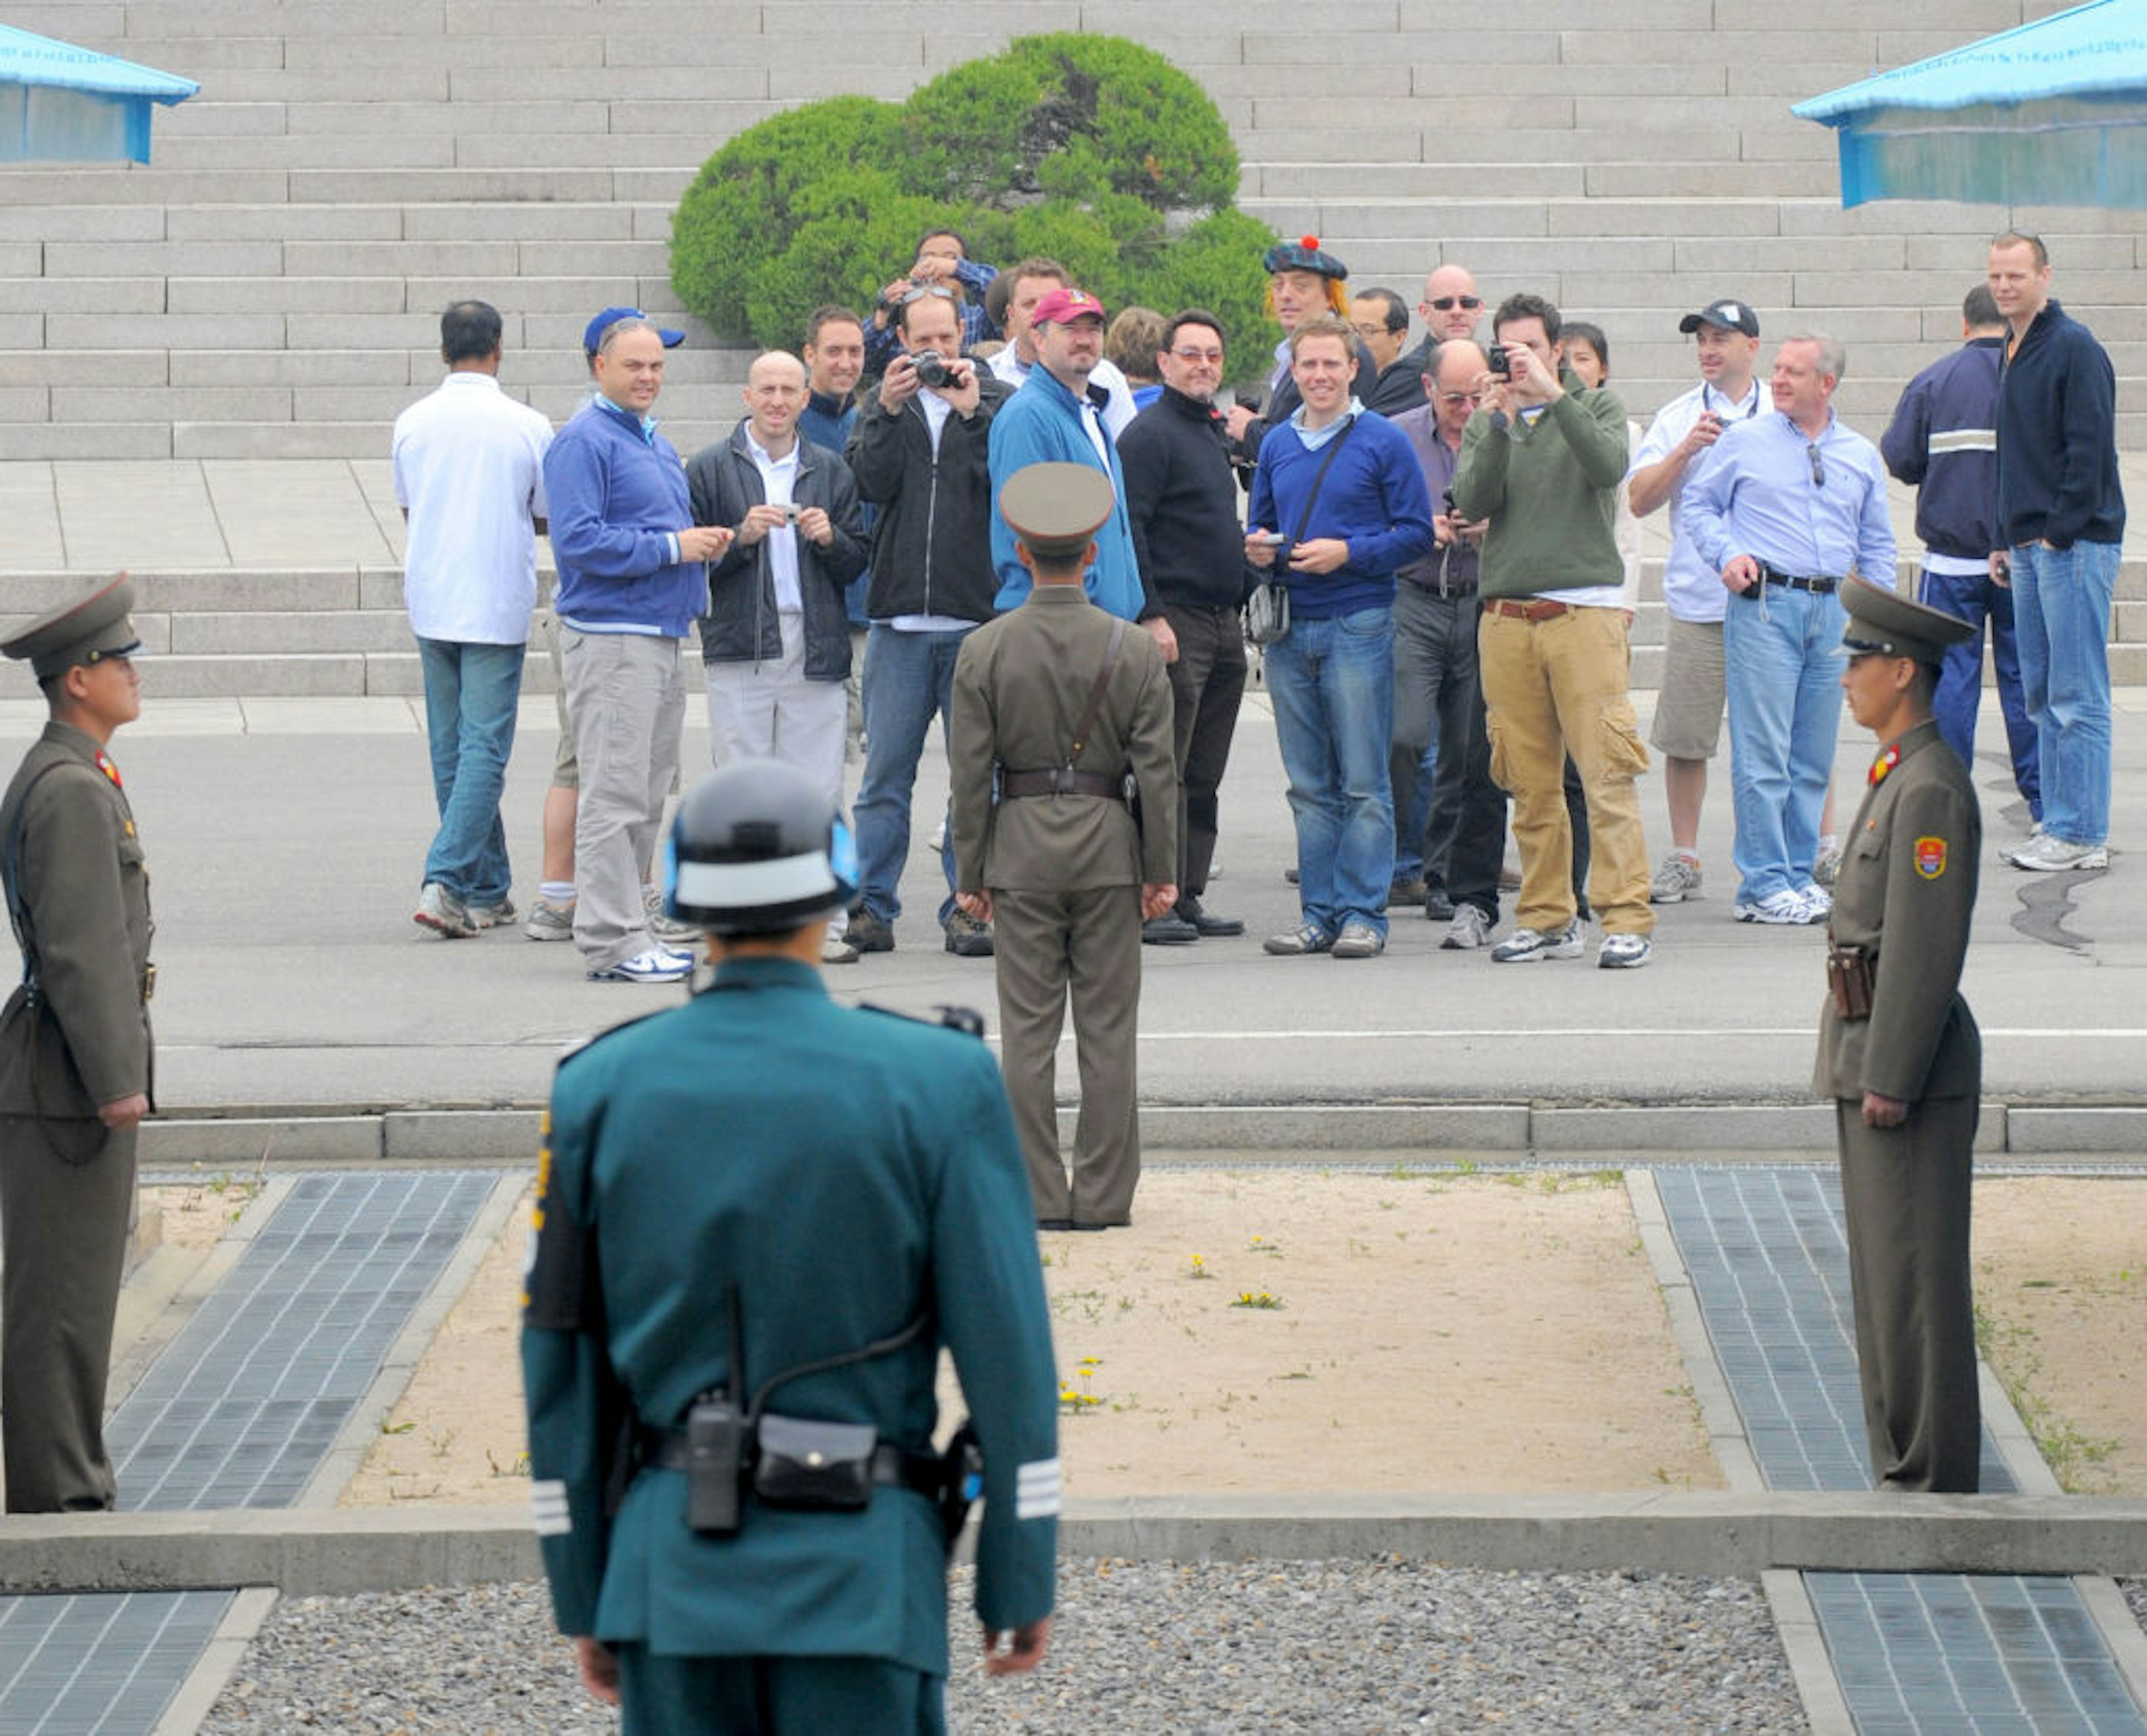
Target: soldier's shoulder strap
pixel 18 910
pixel 965 1019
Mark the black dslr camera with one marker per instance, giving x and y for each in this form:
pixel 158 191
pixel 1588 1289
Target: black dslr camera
pixel 932 369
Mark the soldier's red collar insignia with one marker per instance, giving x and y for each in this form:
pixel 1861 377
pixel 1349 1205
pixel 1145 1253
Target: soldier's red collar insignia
pixel 1885 764
pixel 110 771
pixel 1931 857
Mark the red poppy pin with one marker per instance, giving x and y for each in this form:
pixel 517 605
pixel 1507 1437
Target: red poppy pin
pixel 1931 857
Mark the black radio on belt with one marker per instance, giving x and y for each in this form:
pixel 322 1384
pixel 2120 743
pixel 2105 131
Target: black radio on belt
pixel 715 1464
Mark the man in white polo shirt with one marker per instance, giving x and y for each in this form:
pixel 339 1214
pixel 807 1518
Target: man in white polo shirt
pixel 1688 726
pixel 469 476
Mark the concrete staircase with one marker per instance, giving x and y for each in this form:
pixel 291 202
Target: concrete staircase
pixel 269 289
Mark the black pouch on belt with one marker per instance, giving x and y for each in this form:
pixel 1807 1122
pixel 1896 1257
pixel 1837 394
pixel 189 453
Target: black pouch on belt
pixel 818 1466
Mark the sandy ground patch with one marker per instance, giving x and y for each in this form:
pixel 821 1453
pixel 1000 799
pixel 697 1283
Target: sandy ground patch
pixel 2061 1291
pixel 197 1213
pixel 1438 1333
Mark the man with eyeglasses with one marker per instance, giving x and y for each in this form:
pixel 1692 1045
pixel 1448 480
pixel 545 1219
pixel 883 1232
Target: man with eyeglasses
pixel 1380 319
pixel 1688 725
pixel 2061 523
pixel 1451 308
pixel 1182 503
pixel 1439 692
pixel 1785 508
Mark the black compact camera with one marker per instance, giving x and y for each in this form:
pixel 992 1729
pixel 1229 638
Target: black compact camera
pixel 1499 366
pixel 932 369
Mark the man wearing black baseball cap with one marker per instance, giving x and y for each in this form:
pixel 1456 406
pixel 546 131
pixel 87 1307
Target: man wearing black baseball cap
pixel 1688 725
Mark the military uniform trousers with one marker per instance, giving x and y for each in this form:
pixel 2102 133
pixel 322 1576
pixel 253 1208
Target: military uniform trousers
pixel 670 1696
pixel 63 1228
pixel 1905 1192
pixel 1085 945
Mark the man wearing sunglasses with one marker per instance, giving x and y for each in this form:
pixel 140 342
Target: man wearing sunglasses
pixel 1785 508
pixel 1451 308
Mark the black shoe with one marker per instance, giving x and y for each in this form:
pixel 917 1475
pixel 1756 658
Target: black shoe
pixel 1054 1224
pixel 1208 927
pixel 966 937
pixel 1170 929
pixel 868 933
pixel 1438 907
pixel 1290 875
pixel 1410 891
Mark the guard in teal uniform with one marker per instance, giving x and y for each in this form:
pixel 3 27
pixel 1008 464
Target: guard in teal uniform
pixel 1899 1054
pixel 75 1058
pixel 760 1217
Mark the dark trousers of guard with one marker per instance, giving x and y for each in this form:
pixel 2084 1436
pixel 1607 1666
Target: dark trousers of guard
pixel 663 1695
pixel 66 1192
pixel 1207 685
pixel 1905 1195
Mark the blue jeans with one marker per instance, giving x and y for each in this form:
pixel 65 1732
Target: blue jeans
pixel 1333 683
pixel 1973 597
pixel 909 676
pixel 1784 685
pixel 2061 608
pixel 471 693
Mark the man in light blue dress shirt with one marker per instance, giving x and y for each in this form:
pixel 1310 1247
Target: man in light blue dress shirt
pixel 1785 506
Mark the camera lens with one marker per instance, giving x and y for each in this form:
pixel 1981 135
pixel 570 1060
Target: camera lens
pixel 931 368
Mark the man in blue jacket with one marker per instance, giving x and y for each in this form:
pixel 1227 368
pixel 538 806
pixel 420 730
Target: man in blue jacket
pixel 1942 443
pixel 2060 526
pixel 1057 418
pixel 633 580
pixel 760 1216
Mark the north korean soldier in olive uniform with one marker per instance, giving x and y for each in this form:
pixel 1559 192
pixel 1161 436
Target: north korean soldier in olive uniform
pixel 75 1053
pixel 1899 1054
pixel 760 1215
pixel 1069 715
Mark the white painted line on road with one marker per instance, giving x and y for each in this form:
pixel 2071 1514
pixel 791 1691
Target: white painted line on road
pixel 1682 1032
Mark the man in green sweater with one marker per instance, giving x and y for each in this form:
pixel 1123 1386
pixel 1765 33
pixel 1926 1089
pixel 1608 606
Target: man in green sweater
pixel 1541 459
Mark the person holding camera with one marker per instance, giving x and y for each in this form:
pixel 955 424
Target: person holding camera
pixel 1541 460
pixel 776 640
pixel 920 453
pixel 761 1215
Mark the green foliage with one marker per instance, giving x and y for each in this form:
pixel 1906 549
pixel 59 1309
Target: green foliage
pixel 1092 149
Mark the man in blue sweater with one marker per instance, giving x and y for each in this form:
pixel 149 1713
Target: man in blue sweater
pixel 633 580
pixel 2061 526
pixel 1942 443
pixel 1339 504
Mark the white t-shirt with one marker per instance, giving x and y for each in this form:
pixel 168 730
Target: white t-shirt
pixel 778 480
pixel 469 468
pixel 1692 590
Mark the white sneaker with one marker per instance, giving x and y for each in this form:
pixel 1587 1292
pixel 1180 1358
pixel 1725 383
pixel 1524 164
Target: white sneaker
pixel 1524 946
pixel 2050 854
pixel 663 928
pixel 1784 909
pixel 1818 900
pixel 836 950
pixel 1470 929
pixel 1624 952
pixel 1675 881
pixel 658 964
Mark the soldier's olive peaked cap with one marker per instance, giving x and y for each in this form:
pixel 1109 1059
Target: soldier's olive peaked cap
pixel 93 623
pixel 1056 508
pixel 1884 623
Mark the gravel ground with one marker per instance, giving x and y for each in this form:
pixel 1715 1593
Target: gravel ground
pixel 1208 1650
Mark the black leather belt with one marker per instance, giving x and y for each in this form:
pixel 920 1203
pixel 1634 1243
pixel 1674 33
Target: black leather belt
pixel 1819 585
pixel 1061 781
pixel 1465 587
pixel 923 1472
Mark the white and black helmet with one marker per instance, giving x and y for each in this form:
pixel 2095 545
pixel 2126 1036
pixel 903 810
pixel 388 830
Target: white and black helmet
pixel 757 848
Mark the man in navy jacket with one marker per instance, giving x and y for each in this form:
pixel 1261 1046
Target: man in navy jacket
pixel 2061 526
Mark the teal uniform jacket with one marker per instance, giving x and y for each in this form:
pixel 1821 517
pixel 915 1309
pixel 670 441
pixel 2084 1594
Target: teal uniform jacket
pixel 845 1168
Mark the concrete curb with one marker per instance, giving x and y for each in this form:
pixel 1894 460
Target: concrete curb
pixel 245 1137
pixel 336 1552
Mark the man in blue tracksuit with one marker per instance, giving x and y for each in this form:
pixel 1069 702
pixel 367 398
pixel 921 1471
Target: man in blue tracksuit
pixel 1942 441
pixel 1055 419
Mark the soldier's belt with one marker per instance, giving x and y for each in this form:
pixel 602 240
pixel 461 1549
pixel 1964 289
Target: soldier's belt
pixel 1850 977
pixel 1061 781
pixel 891 1467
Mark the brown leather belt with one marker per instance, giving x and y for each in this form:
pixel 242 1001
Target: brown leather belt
pixel 1060 780
pixel 1540 608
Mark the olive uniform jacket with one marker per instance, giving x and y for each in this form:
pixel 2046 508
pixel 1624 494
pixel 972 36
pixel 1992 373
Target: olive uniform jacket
pixel 846 1169
pixel 74 871
pixel 1906 891
pixel 1021 684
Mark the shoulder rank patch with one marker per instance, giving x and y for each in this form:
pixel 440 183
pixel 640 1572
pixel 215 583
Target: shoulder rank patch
pixel 1931 857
